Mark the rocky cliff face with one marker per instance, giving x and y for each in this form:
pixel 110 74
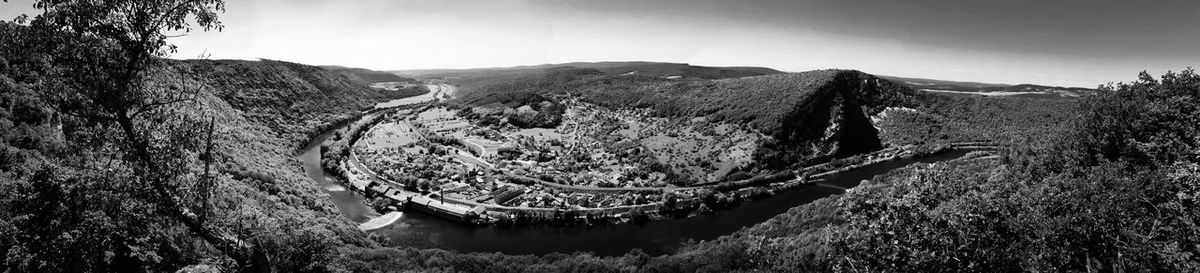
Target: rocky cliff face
pixel 833 121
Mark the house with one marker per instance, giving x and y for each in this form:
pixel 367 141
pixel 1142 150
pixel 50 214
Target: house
pixel 508 192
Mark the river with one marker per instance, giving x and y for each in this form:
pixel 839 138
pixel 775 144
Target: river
pixel 348 202
pixel 656 237
pixel 439 91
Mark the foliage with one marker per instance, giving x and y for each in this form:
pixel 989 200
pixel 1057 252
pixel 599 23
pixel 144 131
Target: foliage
pixel 77 196
pixel 1118 195
pixel 88 60
pixel 101 168
pixel 367 77
pixel 941 119
pixel 1149 122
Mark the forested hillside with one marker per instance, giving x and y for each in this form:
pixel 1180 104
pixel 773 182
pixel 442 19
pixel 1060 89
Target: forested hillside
pixel 1111 186
pixel 810 115
pixel 116 159
pixel 947 118
pixel 296 101
pixel 69 204
pixel 367 76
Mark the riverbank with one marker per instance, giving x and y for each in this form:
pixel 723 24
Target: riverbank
pixel 616 238
pixel 388 193
pixel 350 203
pixel 652 233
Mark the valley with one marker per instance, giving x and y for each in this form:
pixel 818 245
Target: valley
pixel 472 178
pixel 515 171
pixel 399 139
pixel 149 136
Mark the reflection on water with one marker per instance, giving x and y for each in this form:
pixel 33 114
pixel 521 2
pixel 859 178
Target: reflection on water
pixel 348 203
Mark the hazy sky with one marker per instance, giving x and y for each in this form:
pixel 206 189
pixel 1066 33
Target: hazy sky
pixel 1059 42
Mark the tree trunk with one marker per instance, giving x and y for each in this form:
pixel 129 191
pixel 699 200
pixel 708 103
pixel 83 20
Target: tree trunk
pixel 249 257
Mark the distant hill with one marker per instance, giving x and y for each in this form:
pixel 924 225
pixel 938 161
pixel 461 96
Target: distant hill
pixel 994 89
pixel 650 69
pixel 294 100
pixel 367 76
pixel 943 85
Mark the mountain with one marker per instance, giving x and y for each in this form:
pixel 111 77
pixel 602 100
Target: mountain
pixel 293 98
pixel 810 115
pixel 993 89
pixel 651 69
pixel 260 112
pixel 367 76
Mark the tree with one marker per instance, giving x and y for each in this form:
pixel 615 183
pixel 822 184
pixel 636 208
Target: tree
pixel 1116 194
pixel 102 53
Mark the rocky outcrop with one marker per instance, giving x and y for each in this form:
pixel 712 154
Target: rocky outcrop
pixel 833 120
pixel 812 116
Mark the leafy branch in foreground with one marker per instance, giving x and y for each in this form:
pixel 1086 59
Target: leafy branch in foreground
pixel 100 54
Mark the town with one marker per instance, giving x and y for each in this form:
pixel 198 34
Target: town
pixel 615 164
pixel 596 159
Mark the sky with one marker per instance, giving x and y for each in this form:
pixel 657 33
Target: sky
pixel 1062 42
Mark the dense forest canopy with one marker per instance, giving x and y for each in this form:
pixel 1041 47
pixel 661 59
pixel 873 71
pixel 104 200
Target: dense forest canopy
pixel 113 158
pixel 366 76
